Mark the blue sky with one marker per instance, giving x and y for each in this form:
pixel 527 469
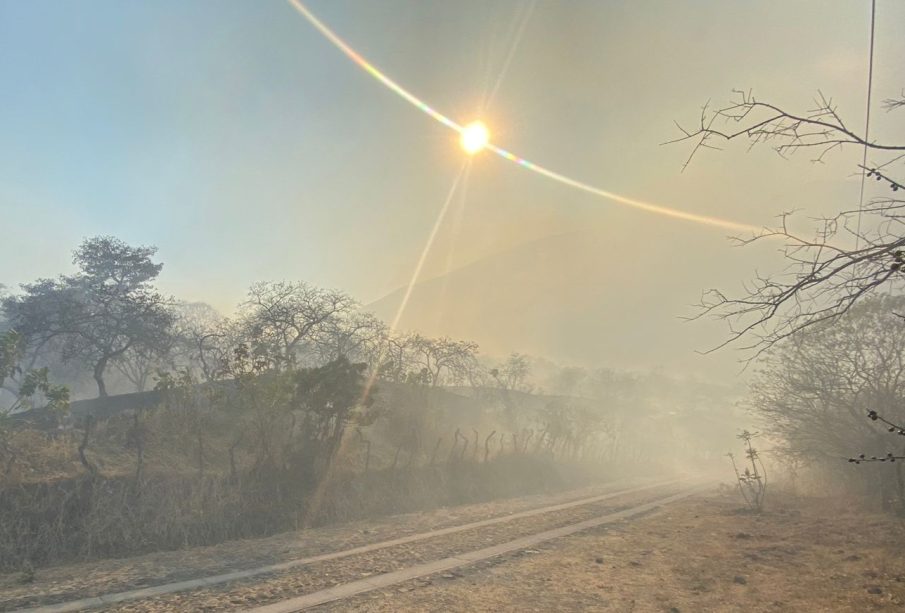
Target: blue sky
pixel 227 134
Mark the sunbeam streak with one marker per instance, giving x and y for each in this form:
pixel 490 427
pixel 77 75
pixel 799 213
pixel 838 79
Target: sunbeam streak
pixel 318 495
pixel 416 274
pixel 519 32
pixel 503 153
pixel 427 246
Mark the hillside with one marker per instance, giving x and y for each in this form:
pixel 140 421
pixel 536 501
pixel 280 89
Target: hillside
pixel 569 297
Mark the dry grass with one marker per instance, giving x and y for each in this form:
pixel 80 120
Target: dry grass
pixel 95 517
pixel 174 477
pixel 703 554
pixel 72 581
pixel 699 555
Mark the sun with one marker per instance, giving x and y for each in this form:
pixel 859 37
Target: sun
pixel 474 137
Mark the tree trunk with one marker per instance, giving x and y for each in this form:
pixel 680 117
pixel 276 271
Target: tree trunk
pixel 89 424
pixel 99 369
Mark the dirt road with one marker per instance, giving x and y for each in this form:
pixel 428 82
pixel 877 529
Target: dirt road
pixel 703 553
pixel 231 577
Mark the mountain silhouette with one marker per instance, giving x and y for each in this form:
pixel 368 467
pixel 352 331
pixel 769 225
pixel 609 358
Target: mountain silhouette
pixel 593 298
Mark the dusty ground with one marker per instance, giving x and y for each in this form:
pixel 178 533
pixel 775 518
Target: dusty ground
pixel 74 581
pixel 701 554
pixel 323 575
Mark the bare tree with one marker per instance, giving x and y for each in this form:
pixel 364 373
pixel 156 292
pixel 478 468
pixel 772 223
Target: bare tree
pixel 444 360
pixel 203 339
pixel 513 373
pixel 815 389
pixel 139 364
pixel 283 316
pixel 396 357
pixel 851 254
pixel 357 336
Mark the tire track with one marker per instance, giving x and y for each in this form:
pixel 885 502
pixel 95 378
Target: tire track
pixel 354 588
pixel 216 580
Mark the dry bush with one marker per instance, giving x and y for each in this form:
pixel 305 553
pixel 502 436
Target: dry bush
pixel 95 516
pixel 203 468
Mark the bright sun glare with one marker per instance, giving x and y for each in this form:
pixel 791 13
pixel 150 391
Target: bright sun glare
pixel 474 137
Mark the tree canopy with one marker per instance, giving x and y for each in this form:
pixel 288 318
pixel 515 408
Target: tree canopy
pixel 100 314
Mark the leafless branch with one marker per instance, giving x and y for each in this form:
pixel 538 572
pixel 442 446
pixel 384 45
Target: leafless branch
pixel 746 118
pixel 825 275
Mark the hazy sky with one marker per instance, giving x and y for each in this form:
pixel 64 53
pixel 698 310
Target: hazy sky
pixel 243 145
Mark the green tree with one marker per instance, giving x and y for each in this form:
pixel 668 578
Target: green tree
pixel 33 384
pixel 332 396
pixel 99 315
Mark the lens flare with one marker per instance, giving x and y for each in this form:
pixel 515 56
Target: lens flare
pixel 409 97
pixel 474 137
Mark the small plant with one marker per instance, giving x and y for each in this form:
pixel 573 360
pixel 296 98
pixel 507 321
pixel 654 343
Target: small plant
pixel 752 481
pixel 28 574
pixel 34 384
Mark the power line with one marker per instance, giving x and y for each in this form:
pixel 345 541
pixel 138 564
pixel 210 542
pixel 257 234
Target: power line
pixel 870 81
